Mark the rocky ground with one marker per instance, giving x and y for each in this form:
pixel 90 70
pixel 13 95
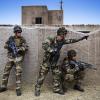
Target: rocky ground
pixel 91 93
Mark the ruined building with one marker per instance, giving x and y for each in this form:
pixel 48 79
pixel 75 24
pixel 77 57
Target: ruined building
pixel 41 15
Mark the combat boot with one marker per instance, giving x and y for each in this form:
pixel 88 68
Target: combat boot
pixel 18 92
pixel 79 88
pixel 37 91
pixel 2 89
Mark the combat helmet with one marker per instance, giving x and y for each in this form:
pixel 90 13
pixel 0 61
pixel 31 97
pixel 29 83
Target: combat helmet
pixel 71 53
pixel 17 29
pixel 61 31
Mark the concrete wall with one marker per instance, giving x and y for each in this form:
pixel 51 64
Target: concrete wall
pixel 88 51
pixel 49 17
pixel 55 17
pixel 29 13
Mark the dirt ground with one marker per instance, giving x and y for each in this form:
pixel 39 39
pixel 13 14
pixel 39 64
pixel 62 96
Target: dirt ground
pixel 91 93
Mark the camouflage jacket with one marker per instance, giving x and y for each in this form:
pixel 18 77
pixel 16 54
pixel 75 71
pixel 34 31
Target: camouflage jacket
pixel 20 45
pixel 66 68
pixel 72 67
pixel 50 43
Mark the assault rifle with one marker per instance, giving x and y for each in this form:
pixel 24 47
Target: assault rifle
pixel 79 65
pixel 12 47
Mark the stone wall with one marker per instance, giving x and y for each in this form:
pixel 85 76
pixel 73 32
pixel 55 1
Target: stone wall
pixel 88 51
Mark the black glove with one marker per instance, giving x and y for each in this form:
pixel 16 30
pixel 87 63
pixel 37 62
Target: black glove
pixel 85 37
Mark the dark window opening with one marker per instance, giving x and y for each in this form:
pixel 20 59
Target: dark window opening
pixel 38 20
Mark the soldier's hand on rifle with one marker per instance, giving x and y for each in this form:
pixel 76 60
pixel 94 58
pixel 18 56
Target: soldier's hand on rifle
pixel 77 69
pixel 21 49
pixel 53 51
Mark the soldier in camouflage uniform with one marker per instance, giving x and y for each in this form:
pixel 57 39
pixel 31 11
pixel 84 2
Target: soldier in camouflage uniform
pixel 14 61
pixel 52 47
pixel 71 72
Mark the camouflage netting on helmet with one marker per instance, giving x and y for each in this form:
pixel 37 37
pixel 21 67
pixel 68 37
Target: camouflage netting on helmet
pixel 71 53
pixel 61 31
pixel 17 29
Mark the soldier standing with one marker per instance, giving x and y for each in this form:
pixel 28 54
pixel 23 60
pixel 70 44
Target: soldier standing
pixel 52 47
pixel 16 46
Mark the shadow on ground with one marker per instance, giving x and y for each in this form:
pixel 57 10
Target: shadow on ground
pixel 91 93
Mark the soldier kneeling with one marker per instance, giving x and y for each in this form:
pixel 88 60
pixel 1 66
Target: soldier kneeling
pixel 72 71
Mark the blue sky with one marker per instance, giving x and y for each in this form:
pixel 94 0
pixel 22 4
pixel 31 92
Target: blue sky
pixel 75 11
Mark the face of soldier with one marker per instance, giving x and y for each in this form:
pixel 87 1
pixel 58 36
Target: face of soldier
pixel 18 34
pixel 60 37
pixel 74 58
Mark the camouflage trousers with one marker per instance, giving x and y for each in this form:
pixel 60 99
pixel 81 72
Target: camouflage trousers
pixel 44 69
pixel 18 70
pixel 77 78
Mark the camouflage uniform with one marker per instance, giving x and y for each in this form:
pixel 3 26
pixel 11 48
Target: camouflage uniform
pixel 50 63
pixel 72 73
pixel 13 62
